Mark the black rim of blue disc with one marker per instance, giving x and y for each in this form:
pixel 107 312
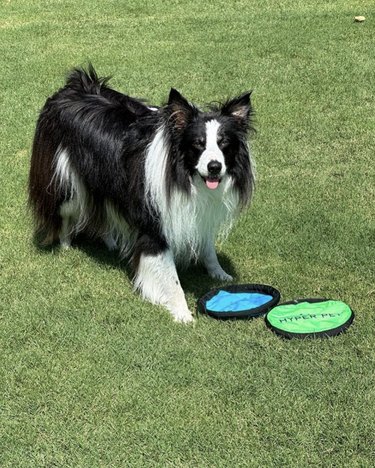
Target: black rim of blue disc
pixel 241 288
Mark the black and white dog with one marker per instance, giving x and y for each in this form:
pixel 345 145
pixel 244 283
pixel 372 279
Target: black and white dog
pixel 158 183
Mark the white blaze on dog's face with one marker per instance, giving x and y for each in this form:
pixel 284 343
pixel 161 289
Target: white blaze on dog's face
pixel 211 164
pixel 212 145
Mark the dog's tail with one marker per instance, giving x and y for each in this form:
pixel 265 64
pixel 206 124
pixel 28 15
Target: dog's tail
pixel 86 81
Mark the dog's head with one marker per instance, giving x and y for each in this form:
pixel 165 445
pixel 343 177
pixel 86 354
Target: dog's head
pixel 210 147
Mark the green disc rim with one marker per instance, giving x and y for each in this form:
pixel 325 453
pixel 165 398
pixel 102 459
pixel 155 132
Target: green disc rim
pixel 310 317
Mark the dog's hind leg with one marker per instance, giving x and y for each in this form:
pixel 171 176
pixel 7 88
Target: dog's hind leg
pixel 109 241
pixel 157 280
pixel 65 233
pixel 68 213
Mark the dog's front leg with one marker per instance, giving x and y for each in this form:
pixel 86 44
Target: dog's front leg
pixel 211 262
pixel 156 278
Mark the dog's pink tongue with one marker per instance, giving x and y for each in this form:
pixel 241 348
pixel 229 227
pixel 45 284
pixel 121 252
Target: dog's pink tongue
pixel 212 184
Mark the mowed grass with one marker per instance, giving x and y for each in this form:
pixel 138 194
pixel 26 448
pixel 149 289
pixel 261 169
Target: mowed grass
pixel 90 375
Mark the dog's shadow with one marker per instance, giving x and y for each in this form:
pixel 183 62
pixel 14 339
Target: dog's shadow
pixel 194 279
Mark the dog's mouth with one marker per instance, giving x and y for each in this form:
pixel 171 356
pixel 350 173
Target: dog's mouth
pixel 211 182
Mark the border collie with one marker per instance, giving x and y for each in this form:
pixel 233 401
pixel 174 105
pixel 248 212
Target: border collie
pixel 158 183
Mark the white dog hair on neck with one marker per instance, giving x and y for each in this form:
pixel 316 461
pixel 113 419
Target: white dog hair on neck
pixel 190 221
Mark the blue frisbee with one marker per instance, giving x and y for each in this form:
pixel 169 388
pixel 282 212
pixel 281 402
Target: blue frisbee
pixel 239 301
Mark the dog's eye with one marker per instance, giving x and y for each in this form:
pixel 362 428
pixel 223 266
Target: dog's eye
pixel 199 144
pixel 223 143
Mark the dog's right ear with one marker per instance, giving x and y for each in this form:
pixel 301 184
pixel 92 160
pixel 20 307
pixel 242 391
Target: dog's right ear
pixel 180 110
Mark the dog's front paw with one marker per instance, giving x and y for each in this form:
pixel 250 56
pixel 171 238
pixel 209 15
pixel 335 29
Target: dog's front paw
pixel 182 315
pixel 220 274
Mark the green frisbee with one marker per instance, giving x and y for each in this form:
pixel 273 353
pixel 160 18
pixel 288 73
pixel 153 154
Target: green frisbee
pixel 311 318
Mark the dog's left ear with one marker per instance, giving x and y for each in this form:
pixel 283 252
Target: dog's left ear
pixel 180 110
pixel 239 108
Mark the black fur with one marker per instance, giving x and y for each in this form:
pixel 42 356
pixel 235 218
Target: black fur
pixel 106 135
pixel 106 149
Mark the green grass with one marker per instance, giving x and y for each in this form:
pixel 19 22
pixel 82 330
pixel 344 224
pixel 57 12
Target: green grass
pixel 90 375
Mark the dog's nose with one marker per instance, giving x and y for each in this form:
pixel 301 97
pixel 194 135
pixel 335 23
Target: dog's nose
pixel 214 168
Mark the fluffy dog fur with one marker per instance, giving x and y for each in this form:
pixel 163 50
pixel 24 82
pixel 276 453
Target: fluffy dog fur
pixel 158 183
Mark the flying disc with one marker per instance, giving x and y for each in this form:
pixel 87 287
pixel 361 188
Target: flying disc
pixel 312 318
pixel 239 301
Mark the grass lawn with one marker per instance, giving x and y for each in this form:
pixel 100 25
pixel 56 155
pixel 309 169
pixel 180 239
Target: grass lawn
pixel 90 375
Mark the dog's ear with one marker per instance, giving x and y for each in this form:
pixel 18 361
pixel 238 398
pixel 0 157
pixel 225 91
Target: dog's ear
pixel 180 110
pixel 239 108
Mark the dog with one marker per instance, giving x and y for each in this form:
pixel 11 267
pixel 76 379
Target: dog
pixel 158 183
